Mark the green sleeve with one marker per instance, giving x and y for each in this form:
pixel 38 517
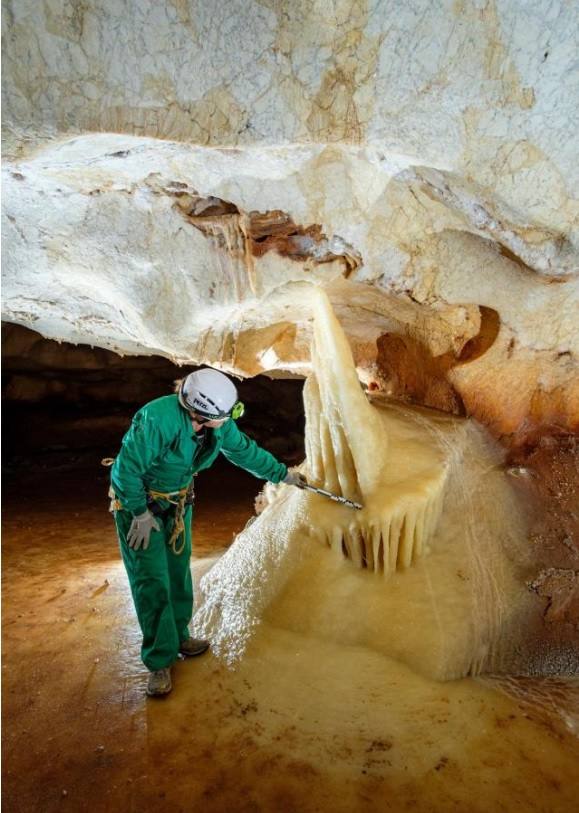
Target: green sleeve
pixel 142 445
pixel 245 453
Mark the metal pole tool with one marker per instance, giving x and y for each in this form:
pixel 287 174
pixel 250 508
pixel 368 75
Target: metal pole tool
pixel 335 497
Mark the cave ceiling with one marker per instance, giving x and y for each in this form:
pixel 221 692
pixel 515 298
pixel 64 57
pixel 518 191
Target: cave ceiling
pixel 177 175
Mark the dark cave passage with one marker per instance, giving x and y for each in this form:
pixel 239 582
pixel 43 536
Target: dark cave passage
pixel 65 404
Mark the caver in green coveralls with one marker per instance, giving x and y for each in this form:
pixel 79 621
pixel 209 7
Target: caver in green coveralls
pixel 161 452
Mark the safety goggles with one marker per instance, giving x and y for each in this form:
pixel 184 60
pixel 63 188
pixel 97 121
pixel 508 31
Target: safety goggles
pixel 236 412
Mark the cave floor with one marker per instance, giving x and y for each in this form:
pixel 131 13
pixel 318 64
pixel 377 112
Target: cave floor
pixel 301 725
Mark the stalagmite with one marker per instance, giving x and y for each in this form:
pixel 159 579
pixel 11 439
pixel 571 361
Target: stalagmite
pixel 429 484
pixel 350 453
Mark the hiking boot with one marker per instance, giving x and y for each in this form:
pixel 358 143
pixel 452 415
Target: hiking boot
pixel 193 646
pixel 159 683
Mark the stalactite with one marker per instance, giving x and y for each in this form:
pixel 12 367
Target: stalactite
pixel 348 453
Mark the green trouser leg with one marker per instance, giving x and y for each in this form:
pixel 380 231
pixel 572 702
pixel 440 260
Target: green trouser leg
pixel 161 587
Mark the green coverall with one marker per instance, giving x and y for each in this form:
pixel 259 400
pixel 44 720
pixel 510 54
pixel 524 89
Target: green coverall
pixel 161 451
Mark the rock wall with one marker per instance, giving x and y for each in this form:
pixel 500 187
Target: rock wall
pixel 177 174
pixel 207 256
pixel 482 88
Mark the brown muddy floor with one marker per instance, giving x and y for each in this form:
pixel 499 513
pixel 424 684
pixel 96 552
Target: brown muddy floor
pixel 300 726
pixel 75 717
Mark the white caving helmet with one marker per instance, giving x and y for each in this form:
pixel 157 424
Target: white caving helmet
pixel 208 393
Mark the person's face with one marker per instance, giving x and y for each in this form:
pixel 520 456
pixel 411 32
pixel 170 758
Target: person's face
pixel 199 422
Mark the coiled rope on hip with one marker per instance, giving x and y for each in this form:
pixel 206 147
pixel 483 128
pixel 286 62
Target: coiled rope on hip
pixel 176 498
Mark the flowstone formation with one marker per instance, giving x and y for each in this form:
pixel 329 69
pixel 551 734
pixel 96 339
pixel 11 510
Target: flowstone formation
pixel 165 195
pixel 423 479
pixel 350 452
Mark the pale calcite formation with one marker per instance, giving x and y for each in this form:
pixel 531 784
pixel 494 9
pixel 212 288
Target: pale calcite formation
pixel 485 89
pixel 428 484
pixel 160 282
pixel 354 452
pixel 460 610
pixel 145 246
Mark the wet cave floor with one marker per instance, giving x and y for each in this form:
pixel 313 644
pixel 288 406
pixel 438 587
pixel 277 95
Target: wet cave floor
pixel 301 725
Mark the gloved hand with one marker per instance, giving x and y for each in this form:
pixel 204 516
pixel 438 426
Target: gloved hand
pixel 140 530
pixel 295 478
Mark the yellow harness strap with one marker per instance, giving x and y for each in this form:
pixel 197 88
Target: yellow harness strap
pixel 176 498
pixel 115 504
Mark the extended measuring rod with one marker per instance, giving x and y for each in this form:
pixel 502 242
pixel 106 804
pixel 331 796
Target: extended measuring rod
pixel 335 497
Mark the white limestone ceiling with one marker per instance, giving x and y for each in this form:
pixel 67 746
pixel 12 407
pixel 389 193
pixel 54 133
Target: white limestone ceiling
pixel 485 88
pixel 432 145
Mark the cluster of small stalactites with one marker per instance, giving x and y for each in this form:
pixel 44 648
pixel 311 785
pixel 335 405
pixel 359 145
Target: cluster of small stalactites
pixel 379 538
pixel 347 446
pixel 389 541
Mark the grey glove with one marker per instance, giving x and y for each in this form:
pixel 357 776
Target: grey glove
pixel 140 530
pixel 294 478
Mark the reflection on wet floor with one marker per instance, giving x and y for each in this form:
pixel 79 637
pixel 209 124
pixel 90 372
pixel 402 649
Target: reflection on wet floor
pixel 301 725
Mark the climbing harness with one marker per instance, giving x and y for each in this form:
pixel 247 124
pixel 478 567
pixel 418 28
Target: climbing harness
pixel 115 504
pixel 178 499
